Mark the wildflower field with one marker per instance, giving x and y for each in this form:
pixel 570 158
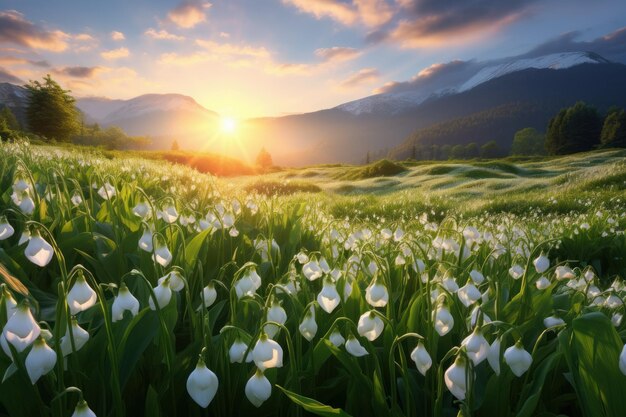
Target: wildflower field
pixel 134 287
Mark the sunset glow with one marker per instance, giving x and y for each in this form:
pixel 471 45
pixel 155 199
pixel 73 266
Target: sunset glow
pixel 228 125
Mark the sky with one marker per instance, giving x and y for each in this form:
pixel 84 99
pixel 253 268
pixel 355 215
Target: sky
pixel 252 58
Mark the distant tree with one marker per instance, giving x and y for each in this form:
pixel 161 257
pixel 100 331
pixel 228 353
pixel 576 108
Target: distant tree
pixel 490 150
pixel 367 158
pixel 264 159
pixel 434 152
pixel 471 150
pixel 414 152
pixel 614 130
pixel 528 141
pixel 443 152
pixel 9 118
pixel 457 152
pixel 50 110
pixel 575 129
pixel 175 146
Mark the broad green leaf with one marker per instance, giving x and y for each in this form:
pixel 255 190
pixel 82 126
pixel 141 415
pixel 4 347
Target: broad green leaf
pixel 313 406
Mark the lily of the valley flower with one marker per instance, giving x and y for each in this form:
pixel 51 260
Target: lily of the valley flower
pixel 80 336
pixel 142 210
pixel 9 301
pixel 564 272
pixel 542 263
pixel 107 191
pixel 354 347
pixel 177 282
pixel 477 346
pixel 376 294
pixel 237 351
pixel 208 295
pixel 76 199
pixel 456 378
pixel 202 384
pixel 518 359
pixel 267 353
pixel 328 298
pixel 542 283
pixel 21 330
pixel 81 296
pixel 83 410
pixel 422 359
pixel 493 357
pixel 370 325
pixel 124 301
pixel 145 241
pixel 258 389
pixel 40 360
pixel 308 326
pixel 336 338
pixel 6 230
pixel 516 271
pixel 468 294
pixel 275 313
pixel 163 294
pixel 248 283
pixel 162 255
pixel 477 277
pixel 38 251
pixel 312 270
pixel 553 321
pixel 444 322
pixel 169 214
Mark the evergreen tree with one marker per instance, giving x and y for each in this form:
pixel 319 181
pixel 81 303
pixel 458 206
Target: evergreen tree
pixel 457 152
pixel 471 150
pixel 50 111
pixel 614 130
pixel 528 141
pixel 9 118
pixel 575 129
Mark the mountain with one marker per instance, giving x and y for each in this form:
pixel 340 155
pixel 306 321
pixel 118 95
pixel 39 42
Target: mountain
pixel 14 97
pixel 475 103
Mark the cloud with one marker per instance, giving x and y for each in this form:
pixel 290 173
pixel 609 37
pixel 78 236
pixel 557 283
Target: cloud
pixel 188 14
pixel 427 23
pixel 433 78
pixel 337 54
pixel 115 54
pixel 363 76
pixel 117 36
pixel 78 72
pixel 11 60
pixel 371 13
pixel 14 28
pixel 7 77
pixel 611 46
pixel 84 37
pixel 233 49
pixel 163 35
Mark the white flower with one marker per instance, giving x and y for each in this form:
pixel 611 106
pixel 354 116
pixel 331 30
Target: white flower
pixel 38 251
pixel 477 346
pixel 493 357
pixel 422 359
pixel 162 256
pixel 81 296
pixel 308 326
pixel 177 282
pixel 141 210
pixel 336 338
pixel 107 191
pixel 267 354
pixel 163 294
pixel 258 389
pixel 76 199
pixel 40 360
pixel 542 283
pixel 328 298
pixel 542 263
pixel 124 300
pixel 444 322
pixel 237 351
pixel 83 410
pixel 208 295
pixel 275 313
pixel 468 294
pixel 376 294
pixel 6 230
pixel 354 347
pixel 518 359
pixel 80 336
pixel 302 258
pixel 477 277
pixel 553 321
pixel 312 270
pixel 450 284
pixel 370 325
pixel 145 241
pixel 564 272
pixel 622 360
pixel 202 384
pixel 27 205
pixel 456 378
pixel 169 214
pixel 21 330
pixel 516 271
pixel 9 301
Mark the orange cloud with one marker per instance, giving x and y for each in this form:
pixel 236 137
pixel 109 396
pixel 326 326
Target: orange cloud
pixel 371 13
pixel 117 36
pixel 361 77
pixel 337 54
pixel 188 14
pixel 14 28
pixel 115 54
pixel 163 35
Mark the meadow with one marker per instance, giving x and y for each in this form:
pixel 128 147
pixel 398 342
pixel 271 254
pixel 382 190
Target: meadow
pixel 458 288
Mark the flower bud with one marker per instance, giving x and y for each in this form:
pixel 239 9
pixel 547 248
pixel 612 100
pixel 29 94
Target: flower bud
pixel 202 384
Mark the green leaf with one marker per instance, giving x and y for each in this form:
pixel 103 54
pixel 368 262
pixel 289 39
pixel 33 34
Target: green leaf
pixel 313 406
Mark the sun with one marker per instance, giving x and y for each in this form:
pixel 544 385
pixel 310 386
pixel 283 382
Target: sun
pixel 228 125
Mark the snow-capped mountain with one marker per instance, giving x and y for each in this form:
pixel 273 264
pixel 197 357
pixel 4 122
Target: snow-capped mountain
pixel 398 102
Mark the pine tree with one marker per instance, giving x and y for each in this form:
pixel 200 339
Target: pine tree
pixel 575 129
pixel 614 130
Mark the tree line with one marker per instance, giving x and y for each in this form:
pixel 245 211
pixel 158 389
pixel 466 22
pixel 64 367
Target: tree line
pixel 52 116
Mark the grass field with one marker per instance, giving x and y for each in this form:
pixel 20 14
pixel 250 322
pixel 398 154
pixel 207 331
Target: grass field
pixel 481 288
